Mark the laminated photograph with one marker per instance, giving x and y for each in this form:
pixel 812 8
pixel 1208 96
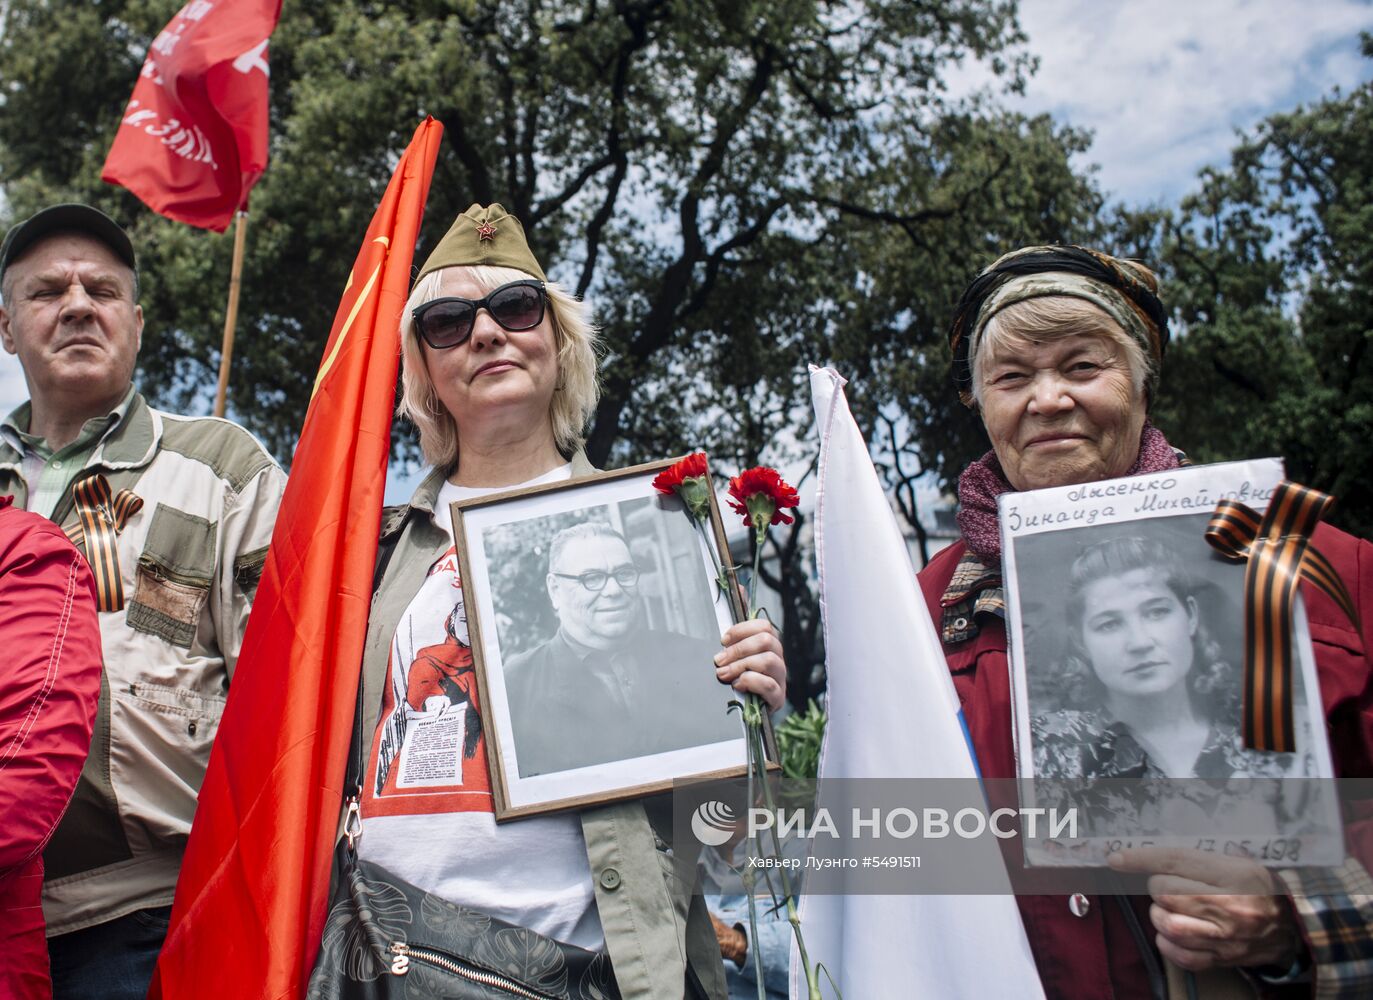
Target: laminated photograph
pixel 1127 657
pixel 594 615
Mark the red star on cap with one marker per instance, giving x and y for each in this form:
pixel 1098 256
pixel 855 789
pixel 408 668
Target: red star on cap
pixel 486 231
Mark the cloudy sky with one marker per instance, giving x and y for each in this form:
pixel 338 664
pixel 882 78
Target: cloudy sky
pixel 1164 85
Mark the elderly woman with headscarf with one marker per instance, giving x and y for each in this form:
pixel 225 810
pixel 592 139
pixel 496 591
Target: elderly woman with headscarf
pixel 499 376
pixel 1057 349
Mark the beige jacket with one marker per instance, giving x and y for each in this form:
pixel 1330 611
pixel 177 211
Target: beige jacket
pixel 190 561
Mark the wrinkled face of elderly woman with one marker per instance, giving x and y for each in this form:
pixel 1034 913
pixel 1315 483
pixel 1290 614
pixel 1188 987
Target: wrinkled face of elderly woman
pixel 1059 408
pixel 1137 632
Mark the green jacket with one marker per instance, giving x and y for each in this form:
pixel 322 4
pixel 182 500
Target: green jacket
pixel 189 561
pixel 657 931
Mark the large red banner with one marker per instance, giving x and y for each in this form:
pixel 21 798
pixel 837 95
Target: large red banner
pixel 250 903
pixel 193 139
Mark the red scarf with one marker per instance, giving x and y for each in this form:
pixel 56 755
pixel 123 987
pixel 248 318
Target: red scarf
pixel 983 481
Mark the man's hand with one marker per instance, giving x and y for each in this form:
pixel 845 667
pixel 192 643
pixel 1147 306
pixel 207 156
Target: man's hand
pixel 733 941
pixel 752 661
pixel 1201 921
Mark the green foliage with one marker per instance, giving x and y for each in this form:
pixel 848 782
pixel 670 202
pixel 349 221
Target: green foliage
pixel 698 169
pixel 798 742
pixel 1269 269
pixel 738 188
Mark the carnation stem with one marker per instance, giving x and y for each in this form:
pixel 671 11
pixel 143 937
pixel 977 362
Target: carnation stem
pixel 721 581
pixel 748 876
pixel 753 719
pixel 758 762
pixel 753 578
pixel 754 711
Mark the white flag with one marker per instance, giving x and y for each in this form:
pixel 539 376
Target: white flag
pixel 893 713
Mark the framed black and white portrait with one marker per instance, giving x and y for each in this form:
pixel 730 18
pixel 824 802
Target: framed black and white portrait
pixel 595 614
pixel 1127 657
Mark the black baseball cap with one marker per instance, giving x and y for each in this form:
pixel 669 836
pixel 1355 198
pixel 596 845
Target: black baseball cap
pixel 66 218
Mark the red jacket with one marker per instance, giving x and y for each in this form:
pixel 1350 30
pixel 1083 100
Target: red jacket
pixel 49 686
pixel 1094 956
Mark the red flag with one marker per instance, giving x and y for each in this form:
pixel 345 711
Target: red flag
pixel 250 903
pixel 194 136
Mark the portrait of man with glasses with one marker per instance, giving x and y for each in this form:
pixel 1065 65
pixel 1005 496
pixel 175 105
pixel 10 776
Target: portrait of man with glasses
pixel 606 686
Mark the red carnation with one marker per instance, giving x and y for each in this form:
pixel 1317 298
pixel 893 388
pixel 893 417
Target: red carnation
pixel 759 494
pixel 687 479
pixel 691 467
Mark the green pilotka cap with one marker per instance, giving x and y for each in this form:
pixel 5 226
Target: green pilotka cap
pixel 484 236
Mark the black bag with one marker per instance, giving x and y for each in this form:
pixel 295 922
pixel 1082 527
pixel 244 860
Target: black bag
pixel 385 939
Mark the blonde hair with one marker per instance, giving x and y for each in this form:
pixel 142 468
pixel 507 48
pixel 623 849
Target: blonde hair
pixel 573 334
pixel 1053 317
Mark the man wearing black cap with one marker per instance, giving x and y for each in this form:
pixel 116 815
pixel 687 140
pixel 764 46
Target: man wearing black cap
pixel 77 350
pixel 174 515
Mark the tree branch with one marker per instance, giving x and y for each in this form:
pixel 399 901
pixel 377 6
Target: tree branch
pixel 1308 171
pixel 905 490
pixel 455 129
pixel 658 326
pixel 740 239
pixel 552 203
pixel 1238 378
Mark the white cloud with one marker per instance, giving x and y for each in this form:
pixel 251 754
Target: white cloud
pixel 1165 85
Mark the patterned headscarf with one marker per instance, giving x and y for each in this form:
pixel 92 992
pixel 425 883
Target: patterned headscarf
pixel 1125 290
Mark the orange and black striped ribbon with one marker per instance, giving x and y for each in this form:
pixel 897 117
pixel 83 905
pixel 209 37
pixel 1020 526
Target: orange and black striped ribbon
pixel 1278 553
pixel 100 519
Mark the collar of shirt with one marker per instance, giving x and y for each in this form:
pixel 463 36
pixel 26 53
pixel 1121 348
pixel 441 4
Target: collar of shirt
pixel 974 590
pixel 1116 751
pixel 597 660
pixel 15 428
pixel 48 472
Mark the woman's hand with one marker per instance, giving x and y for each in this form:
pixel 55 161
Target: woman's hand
pixel 1200 920
pixel 752 661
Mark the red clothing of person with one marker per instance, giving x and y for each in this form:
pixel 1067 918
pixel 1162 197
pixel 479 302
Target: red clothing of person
pixel 49 686
pixel 446 669
pixel 1093 956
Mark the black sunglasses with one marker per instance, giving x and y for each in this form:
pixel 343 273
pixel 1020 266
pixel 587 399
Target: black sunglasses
pixel 447 322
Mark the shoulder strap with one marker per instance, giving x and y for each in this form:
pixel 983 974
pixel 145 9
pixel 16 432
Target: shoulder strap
pixel 352 782
pixel 386 548
pixel 1158 983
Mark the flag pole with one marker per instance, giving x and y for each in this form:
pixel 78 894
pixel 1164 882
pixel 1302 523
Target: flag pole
pixel 226 353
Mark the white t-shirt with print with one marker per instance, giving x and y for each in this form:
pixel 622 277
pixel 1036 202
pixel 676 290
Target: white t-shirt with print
pixel 427 812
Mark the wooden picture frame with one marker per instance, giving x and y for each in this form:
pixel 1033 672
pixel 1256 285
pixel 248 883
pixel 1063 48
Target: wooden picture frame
pixel 590 695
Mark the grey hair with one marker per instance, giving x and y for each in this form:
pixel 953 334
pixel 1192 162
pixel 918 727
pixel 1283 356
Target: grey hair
pixel 587 529
pixel 573 333
pixel 1053 317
